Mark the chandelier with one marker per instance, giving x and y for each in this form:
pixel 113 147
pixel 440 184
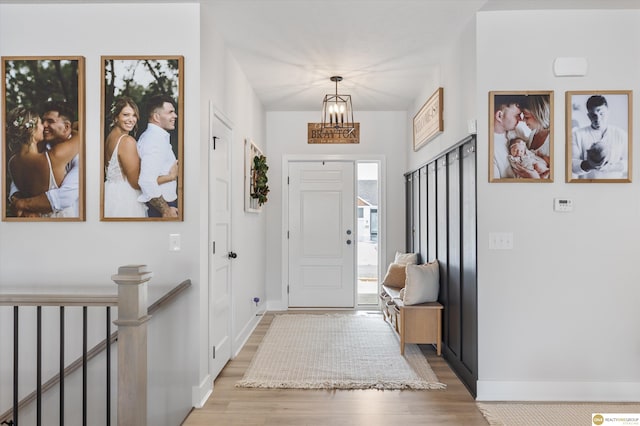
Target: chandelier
pixel 337 112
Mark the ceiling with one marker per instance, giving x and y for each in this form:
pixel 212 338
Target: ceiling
pixel 384 50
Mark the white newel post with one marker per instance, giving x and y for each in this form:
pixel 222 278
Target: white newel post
pixel 132 344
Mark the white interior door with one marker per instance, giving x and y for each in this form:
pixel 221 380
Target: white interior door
pixel 321 234
pixel 219 244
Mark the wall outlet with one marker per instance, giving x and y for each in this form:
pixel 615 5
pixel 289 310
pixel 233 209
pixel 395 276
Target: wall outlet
pixel 501 241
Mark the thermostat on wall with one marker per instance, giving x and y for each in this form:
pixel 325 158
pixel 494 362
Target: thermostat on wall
pixel 562 205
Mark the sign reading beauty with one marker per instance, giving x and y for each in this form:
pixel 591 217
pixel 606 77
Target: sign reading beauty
pixel 316 134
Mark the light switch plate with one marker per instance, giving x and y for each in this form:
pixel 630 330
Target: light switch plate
pixel 174 242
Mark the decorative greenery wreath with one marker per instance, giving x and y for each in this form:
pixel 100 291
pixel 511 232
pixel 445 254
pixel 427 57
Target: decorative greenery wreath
pixel 260 189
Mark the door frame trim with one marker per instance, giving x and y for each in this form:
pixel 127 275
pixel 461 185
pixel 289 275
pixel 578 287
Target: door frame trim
pixel 382 211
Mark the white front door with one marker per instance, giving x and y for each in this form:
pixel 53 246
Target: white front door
pixel 321 234
pixel 219 243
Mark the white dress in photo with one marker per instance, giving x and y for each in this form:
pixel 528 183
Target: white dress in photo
pixel 120 198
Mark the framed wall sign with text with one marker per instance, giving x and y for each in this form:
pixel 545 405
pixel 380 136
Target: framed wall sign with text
pixel 428 122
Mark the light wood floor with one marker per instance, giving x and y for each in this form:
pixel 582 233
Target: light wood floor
pixel 229 405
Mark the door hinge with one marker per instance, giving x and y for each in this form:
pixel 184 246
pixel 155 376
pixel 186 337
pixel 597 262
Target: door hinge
pixel 214 352
pixel 287 235
pixel 214 142
pixel 287 180
pixel 287 288
pixel 214 247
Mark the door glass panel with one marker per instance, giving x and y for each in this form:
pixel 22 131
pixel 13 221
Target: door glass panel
pixel 367 202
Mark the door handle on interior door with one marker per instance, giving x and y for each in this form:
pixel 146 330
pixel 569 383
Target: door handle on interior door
pixel 348 242
pixel 348 231
pixel 232 255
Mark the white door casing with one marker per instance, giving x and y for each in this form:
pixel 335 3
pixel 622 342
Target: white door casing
pixel 322 240
pixel 220 293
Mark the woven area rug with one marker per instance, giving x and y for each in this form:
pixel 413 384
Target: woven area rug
pixel 536 414
pixel 336 351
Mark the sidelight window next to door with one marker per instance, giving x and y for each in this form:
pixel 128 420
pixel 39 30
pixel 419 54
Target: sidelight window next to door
pixel 367 199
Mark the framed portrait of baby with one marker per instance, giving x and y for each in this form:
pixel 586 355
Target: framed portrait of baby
pixel 43 104
pixel 521 136
pixel 598 136
pixel 142 138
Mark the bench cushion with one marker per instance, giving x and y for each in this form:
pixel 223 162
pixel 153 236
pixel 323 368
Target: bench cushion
pixel 396 275
pixel 394 293
pixel 422 283
pixel 406 258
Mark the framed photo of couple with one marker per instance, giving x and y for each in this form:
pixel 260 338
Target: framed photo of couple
pixel 521 136
pixel 598 136
pixel 142 131
pixel 43 144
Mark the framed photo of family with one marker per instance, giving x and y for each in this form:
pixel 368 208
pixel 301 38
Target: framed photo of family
pixel 43 144
pixel 598 136
pixel 521 136
pixel 142 131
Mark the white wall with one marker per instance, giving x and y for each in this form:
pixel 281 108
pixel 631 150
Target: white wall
pixel 558 316
pixel 382 135
pixel 457 78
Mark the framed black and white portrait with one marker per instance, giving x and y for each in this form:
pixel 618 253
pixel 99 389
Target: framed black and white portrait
pixel 598 126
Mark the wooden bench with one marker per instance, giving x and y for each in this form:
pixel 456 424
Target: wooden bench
pixel 420 324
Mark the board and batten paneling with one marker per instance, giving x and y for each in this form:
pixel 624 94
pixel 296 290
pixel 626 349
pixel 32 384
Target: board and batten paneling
pixel 442 225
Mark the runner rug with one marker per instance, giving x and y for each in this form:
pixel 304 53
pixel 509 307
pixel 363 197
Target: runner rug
pixel 565 414
pixel 336 351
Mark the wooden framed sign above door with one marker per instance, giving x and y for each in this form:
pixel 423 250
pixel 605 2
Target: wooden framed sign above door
pixel 316 134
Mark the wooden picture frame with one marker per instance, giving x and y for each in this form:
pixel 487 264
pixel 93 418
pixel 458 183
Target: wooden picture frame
pixel 43 122
pixel 598 127
pixel 428 122
pixel 130 83
pixel 251 204
pixel 521 136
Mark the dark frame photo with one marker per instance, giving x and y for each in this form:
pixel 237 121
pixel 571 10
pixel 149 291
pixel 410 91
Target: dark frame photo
pixel 598 126
pixel 43 148
pixel 142 130
pixel 521 136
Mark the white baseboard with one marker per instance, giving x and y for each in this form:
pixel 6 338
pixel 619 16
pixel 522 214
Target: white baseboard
pixel 200 394
pixel 245 333
pixel 558 391
pixel 277 306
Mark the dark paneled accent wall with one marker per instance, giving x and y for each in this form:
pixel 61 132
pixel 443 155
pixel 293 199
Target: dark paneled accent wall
pixel 441 224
